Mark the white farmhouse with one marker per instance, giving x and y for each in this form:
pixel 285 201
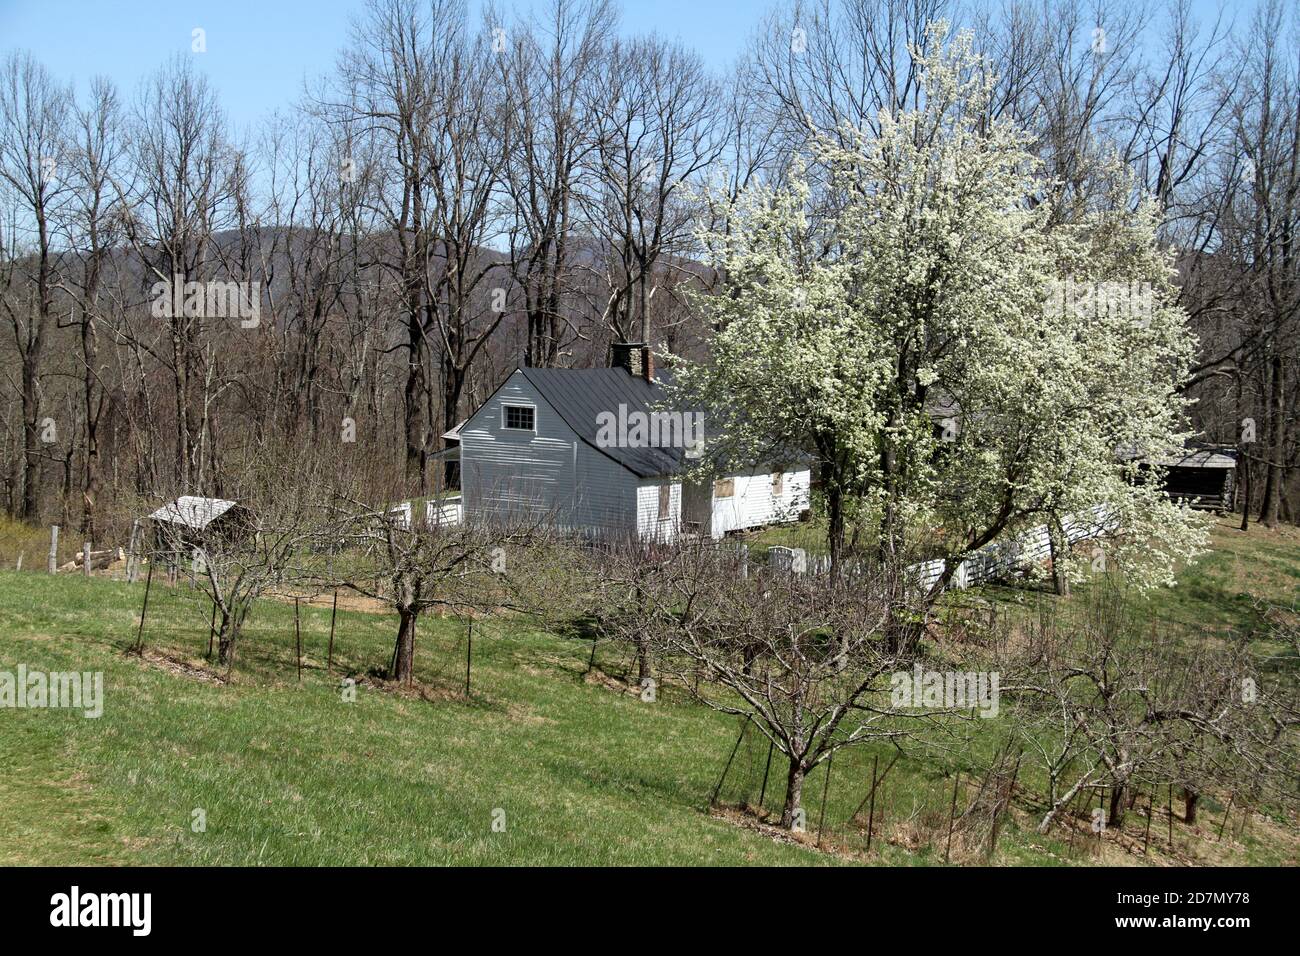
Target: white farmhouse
pixel 598 450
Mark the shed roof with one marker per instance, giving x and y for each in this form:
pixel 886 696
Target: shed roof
pixel 192 511
pixel 1203 458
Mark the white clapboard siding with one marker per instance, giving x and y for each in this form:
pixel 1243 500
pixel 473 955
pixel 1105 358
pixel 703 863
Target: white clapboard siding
pixel 999 560
pixel 753 503
pixel 649 525
pixel 551 474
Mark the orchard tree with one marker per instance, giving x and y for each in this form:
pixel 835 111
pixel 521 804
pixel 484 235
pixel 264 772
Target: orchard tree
pixel 960 362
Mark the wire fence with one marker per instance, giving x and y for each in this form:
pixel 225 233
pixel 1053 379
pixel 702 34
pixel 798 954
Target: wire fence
pixel 866 802
pixel 305 635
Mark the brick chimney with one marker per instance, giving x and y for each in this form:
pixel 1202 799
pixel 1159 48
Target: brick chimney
pixel 635 358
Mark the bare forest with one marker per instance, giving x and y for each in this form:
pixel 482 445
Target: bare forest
pixel 458 195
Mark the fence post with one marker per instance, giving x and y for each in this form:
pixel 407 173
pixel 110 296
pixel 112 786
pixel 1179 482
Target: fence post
pixel 469 654
pixel 297 638
pixel 826 785
pixel 53 565
pixel 952 814
pixel 139 637
pixel 329 657
pixel 718 789
pixel 1146 841
pixel 212 629
pixel 1171 816
pixel 763 790
pixel 871 814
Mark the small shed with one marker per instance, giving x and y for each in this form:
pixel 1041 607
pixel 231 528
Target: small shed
pixel 1204 477
pixel 189 518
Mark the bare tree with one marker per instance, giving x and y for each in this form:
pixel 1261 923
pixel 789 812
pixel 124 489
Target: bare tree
pixel 553 75
pixel 658 130
pixel 187 179
pixel 416 561
pixel 1105 701
pixel 33 130
pixel 802 657
pixel 266 543
pixel 95 221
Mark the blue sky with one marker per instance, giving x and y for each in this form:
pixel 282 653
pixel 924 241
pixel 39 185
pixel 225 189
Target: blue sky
pixel 258 51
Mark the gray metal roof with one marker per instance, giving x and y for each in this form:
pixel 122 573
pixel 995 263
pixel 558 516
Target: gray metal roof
pixel 192 511
pixel 580 395
pixel 1203 458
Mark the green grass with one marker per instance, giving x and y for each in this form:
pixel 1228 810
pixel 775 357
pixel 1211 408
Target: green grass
pixel 809 535
pixel 1234 585
pixel 585 772
pixel 291 774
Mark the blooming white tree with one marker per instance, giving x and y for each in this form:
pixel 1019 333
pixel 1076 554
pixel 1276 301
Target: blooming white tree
pixel 899 312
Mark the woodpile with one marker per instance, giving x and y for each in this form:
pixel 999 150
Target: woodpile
pixel 99 560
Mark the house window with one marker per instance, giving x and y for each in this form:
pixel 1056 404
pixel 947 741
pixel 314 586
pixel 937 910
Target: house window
pixel 665 502
pixel 778 484
pixel 724 488
pixel 519 417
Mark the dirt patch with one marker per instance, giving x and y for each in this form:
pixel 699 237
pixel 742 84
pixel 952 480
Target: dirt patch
pixel 610 682
pixel 182 668
pixel 748 818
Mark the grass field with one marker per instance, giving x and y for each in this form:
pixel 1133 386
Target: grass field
pixel 578 768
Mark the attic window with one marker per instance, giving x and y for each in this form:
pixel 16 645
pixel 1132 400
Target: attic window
pixel 725 488
pixel 519 417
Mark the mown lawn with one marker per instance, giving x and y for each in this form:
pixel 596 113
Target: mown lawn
pixel 293 774
pixel 580 769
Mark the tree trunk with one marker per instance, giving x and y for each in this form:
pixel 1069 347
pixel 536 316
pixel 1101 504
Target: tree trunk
pixel 93 402
pixel 31 438
pixel 1270 507
pixel 1056 536
pixel 453 386
pixel 227 636
pixel 1190 797
pixel 412 399
pixel 404 651
pixel 835 526
pixel 793 793
pixel 644 660
pixel 1245 489
pixel 1118 804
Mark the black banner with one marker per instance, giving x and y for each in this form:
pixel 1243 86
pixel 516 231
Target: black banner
pixel 141 906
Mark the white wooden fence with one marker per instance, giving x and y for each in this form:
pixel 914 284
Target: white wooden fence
pixel 443 511
pixel 993 562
